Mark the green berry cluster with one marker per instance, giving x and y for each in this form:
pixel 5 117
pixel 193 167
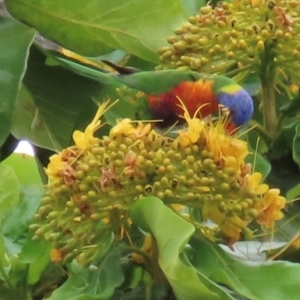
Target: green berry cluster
pixel 90 191
pixel 243 31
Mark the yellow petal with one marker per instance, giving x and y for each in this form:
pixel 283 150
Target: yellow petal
pixel 78 137
pixel 123 127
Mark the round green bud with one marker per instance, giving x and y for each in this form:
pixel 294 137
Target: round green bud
pixel 180 46
pixel 208 163
pixel 260 46
pixel 92 194
pixel 249 202
pixel 230 55
pixel 92 163
pixel 179 31
pixel 237 208
pixel 172 40
pixel 203 41
pixel 234 33
pixel 218 197
pixel 193 20
pixel 166 162
pixel 77 211
pixel 41 231
pixel 164 181
pixel 70 204
pixel 204 181
pixel 253 213
pixel 96 217
pixel 185 163
pixel 83 187
pixel 190 182
pixel 265 33
pixel 160 195
pixel 190 196
pixel 222 206
pixel 84 167
pixel 244 205
pixel 194 29
pixel 34 227
pixel 190 173
pixel 46 200
pixel 211 181
pixel 139 188
pixel 178 156
pixel 160 50
pixel 168 193
pixel 157 184
pixel 53 214
pixel 224 187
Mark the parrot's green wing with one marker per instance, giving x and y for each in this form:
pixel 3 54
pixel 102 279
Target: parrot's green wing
pixel 158 82
pixel 149 82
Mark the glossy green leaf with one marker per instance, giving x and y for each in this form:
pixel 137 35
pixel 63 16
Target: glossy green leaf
pixel 251 84
pixel 144 290
pixel 25 168
pixel 253 280
pixel 4 261
pixel 15 41
pixel 28 122
pixel 293 193
pixel 296 145
pixel 37 255
pixel 9 190
pixel 127 107
pixel 291 108
pixel 97 26
pixel 15 223
pixel 63 102
pixel 259 163
pixel 171 234
pixel 283 144
pixel 93 282
pixel 192 6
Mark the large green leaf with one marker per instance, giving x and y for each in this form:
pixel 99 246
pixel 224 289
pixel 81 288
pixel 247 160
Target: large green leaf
pixel 192 6
pixel 253 280
pixel 9 190
pixel 15 40
pixel 56 102
pixel 25 168
pixel 37 255
pixel 171 233
pixel 95 27
pixel 93 282
pixel 28 122
pixel 15 223
pixel 296 145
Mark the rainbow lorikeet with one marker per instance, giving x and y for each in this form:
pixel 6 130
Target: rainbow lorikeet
pixel 194 89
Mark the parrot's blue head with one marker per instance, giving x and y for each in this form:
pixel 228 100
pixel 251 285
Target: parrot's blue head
pixel 238 102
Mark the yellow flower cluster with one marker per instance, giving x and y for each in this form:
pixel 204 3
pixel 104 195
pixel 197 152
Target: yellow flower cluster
pixel 93 183
pixel 250 33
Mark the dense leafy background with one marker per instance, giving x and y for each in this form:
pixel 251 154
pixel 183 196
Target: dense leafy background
pixel 46 95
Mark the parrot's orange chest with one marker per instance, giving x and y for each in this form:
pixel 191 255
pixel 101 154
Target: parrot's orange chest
pixel 193 94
